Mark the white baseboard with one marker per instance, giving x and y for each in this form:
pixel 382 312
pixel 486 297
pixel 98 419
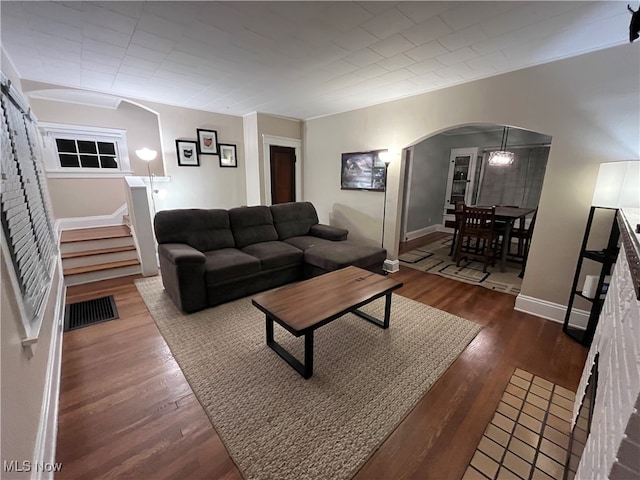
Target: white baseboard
pixel 45 448
pixel 422 232
pixel 551 311
pixel 74 223
pixel 391 266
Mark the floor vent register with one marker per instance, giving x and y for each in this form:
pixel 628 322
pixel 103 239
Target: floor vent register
pixel 90 312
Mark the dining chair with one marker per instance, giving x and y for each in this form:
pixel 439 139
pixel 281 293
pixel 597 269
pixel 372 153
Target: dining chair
pixel 459 207
pixel 476 237
pixel 523 234
pixel 500 228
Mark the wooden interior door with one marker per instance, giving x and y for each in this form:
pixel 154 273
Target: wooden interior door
pixel 283 174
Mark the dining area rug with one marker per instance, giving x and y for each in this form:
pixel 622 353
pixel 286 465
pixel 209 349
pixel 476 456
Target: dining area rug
pixel 434 258
pixel 274 423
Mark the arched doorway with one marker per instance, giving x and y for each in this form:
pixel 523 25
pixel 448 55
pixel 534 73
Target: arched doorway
pixel 452 165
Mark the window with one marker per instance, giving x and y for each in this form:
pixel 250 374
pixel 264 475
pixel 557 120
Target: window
pixel 86 153
pixel 78 151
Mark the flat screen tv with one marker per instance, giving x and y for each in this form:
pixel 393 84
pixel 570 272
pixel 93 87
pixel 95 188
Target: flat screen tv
pixel 363 171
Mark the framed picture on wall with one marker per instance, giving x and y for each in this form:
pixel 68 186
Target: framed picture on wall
pixel 228 155
pixel 187 153
pixel 207 141
pixel 363 171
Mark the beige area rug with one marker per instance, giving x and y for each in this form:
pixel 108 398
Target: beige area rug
pixel 275 424
pixel 434 258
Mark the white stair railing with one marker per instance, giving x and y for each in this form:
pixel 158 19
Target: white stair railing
pixel 141 224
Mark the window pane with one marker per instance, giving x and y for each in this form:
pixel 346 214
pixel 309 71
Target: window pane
pixel 66 146
pixel 106 148
pixel 68 160
pixel 87 147
pixel 89 161
pixel 108 162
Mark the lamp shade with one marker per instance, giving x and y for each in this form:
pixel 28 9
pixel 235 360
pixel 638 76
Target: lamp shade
pixel 501 157
pixel 618 185
pixel 385 156
pixel 146 154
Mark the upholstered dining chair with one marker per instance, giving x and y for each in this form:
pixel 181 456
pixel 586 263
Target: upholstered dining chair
pixel 476 236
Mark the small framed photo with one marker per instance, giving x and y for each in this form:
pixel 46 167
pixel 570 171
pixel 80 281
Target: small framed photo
pixel 207 141
pixel 187 153
pixel 228 155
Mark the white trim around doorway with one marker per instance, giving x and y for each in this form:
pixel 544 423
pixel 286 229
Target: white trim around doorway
pixel 267 141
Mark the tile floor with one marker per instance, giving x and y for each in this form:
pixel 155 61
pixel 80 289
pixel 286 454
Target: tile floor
pixel 528 436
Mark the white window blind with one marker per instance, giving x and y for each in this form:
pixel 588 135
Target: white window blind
pixel 26 217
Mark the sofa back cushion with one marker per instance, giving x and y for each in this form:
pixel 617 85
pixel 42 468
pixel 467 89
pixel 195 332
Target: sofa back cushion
pixel 252 225
pixel 293 219
pixel 203 229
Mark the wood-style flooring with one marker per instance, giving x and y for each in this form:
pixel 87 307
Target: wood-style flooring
pixel 126 410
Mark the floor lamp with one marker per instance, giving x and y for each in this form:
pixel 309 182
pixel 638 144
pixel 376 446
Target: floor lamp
pixel 148 156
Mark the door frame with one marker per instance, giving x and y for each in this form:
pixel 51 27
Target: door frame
pixel 408 154
pixel 267 142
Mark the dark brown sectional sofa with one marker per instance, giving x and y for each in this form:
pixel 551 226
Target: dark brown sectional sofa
pixel 211 256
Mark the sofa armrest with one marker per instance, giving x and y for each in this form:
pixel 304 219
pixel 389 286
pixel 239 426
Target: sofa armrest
pixel 328 232
pixel 183 275
pixel 180 253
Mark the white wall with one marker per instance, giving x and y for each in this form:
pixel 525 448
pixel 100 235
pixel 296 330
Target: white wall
pixel 428 183
pixel 29 385
pixel 588 104
pixel 155 126
pixel 100 196
pixel 209 185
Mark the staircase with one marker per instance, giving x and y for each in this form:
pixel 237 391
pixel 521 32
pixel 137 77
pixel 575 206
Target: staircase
pixel 92 254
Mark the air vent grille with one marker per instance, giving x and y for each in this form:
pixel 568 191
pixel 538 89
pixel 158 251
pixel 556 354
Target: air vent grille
pixel 90 312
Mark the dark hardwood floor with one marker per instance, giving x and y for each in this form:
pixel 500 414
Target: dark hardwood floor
pixel 126 410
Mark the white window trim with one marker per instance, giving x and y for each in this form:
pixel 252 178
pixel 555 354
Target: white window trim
pixel 79 132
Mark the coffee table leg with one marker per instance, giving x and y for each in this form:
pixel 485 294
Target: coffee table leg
pixel 387 314
pixel 305 370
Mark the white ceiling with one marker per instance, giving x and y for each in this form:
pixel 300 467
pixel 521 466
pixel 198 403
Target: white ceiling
pixel 296 59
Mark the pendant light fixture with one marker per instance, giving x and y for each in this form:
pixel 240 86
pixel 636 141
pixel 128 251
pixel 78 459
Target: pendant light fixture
pixel 502 157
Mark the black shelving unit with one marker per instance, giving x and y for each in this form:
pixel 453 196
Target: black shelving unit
pixel 606 258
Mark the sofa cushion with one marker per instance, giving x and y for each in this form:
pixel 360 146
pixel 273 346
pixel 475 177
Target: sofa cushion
pixel 201 229
pixel 252 225
pixel 228 263
pixel 294 218
pixel 342 254
pixel 307 241
pixel 274 254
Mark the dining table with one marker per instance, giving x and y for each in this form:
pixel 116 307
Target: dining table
pixel 508 215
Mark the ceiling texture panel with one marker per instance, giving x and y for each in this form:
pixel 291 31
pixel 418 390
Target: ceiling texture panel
pixel 299 59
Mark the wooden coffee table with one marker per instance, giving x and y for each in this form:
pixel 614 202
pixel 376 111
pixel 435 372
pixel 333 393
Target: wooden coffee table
pixel 303 307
